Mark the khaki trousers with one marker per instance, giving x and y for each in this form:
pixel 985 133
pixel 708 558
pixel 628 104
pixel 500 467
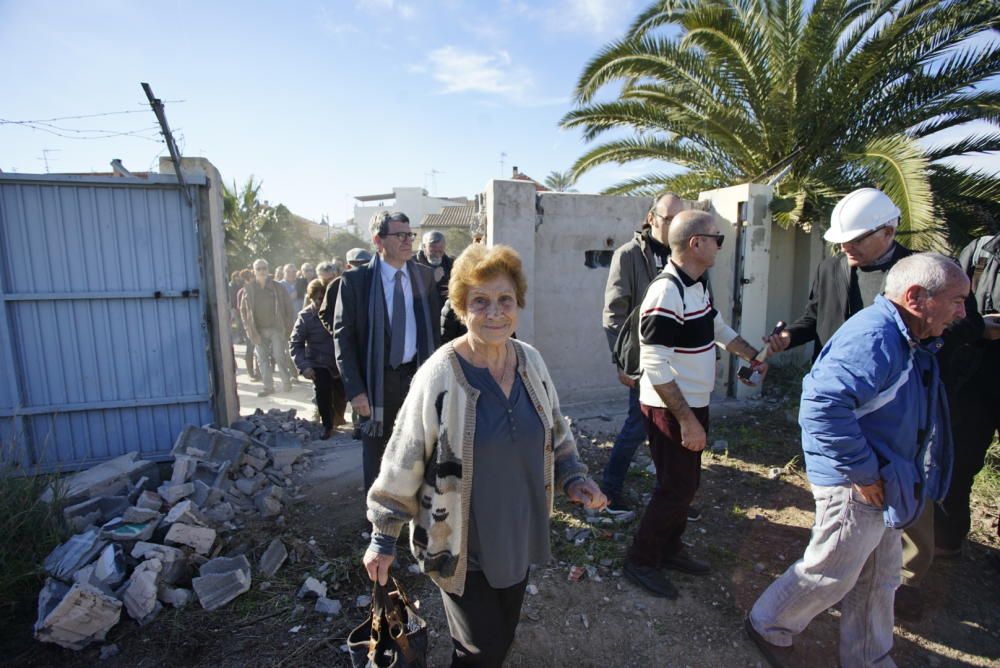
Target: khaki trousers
pixel 918 547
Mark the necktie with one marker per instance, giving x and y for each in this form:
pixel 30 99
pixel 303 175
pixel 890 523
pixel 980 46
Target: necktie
pixel 398 326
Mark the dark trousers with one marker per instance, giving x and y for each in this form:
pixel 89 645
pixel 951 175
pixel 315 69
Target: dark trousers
pixel 248 359
pixel 975 418
pixel 678 473
pixel 330 398
pixel 482 621
pixel 396 383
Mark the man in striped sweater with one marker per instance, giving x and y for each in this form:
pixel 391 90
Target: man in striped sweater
pixel 679 331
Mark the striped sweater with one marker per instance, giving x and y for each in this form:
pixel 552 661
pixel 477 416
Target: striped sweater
pixel 426 474
pixel 678 335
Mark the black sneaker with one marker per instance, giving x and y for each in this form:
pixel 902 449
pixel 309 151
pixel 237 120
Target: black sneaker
pixel 909 604
pixel 652 580
pixel 685 563
pixel 776 655
pixel 694 513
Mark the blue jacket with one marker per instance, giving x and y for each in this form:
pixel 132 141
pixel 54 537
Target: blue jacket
pixel 873 406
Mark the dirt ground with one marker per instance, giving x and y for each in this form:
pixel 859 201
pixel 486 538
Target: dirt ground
pixel 753 527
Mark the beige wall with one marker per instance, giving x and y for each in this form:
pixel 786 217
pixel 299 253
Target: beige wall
pixel 552 232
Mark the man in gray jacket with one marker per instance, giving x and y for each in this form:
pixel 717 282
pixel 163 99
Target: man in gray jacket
pixel 634 265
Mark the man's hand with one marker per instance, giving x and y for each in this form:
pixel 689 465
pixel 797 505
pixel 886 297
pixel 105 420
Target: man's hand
pixel 309 374
pixel 693 436
pixel 360 405
pixel 760 368
pixel 873 494
pixel 779 342
pixel 586 492
pixel 377 565
pixel 626 380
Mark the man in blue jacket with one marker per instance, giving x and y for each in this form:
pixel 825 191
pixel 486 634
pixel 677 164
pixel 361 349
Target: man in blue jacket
pixel 877 447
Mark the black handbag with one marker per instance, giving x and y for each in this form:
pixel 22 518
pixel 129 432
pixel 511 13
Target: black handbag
pixel 393 635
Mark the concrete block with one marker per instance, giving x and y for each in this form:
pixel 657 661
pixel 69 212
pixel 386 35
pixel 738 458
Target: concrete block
pixel 220 512
pixel 250 486
pixel 244 426
pixel 107 571
pixel 273 558
pixel 175 597
pixel 140 594
pixel 205 495
pixel 286 456
pixel 185 512
pixel 312 588
pixel 221 580
pixel 94 511
pixel 149 500
pixel 183 469
pixel 109 478
pixel 172 492
pixel 137 515
pixel 74 554
pixel 174 560
pixel 267 504
pixel 327 606
pixel 118 529
pixel 80 616
pixel 200 539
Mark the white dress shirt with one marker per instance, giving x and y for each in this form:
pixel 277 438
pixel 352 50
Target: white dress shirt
pixel 388 285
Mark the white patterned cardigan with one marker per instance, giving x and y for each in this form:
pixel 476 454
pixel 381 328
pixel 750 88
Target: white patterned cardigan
pixel 426 473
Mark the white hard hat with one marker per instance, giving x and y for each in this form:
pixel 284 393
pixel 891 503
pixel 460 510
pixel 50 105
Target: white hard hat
pixel 861 211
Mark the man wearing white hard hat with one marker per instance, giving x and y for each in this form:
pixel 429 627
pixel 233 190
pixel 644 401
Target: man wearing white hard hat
pixel 864 224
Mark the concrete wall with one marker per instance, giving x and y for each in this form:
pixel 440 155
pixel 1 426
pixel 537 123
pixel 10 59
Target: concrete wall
pixel 553 233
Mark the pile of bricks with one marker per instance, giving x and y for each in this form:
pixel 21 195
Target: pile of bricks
pixel 143 543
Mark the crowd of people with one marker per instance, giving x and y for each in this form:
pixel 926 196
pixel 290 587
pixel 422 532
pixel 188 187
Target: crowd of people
pixel 463 438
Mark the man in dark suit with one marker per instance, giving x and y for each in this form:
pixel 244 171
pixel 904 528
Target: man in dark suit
pixel 385 325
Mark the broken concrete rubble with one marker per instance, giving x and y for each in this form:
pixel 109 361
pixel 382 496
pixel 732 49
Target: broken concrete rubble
pixel 326 606
pixel 76 617
pixel 122 513
pixel 140 594
pixel 200 539
pixel 272 559
pixel 312 588
pixel 221 580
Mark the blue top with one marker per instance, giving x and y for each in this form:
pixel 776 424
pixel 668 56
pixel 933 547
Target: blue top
pixel 873 406
pixel 509 513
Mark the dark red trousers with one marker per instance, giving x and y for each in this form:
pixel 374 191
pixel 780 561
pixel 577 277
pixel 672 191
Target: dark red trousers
pixel 678 474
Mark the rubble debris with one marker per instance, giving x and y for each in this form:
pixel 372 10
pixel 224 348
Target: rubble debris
pixel 172 492
pixel 94 511
pixel 221 580
pixel 109 651
pixel 273 558
pixel 532 589
pixel 576 573
pixel 140 595
pixel 327 606
pixel 138 541
pixel 74 554
pixel 577 536
pixel 312 588
pixel 75 617
pixel 363 601
pixel 109 478
pixel 774 473
pixel 720 446
pixel 200 539
pixel 119 529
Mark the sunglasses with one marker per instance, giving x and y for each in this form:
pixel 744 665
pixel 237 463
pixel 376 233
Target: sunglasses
pixel 718 238
pixel 857 240
pixel 402 236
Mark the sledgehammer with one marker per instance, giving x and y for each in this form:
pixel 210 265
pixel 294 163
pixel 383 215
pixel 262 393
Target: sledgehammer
pixel 749 374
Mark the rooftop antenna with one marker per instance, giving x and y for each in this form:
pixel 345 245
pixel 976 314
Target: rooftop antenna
pixel 434 184
pixel 503 157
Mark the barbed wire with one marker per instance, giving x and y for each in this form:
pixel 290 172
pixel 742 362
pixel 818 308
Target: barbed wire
pixel 82 134
pixel 144 110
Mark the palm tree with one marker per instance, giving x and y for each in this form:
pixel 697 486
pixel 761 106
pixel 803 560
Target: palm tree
pixel 818 101
pixel 560 181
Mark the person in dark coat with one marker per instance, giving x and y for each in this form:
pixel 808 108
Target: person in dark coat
pixel 311 348
pixel 385 325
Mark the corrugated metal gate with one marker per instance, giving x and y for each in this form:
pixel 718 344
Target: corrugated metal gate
pixel 103 338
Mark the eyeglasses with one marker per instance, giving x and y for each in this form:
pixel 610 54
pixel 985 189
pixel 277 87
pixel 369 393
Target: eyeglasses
pixel 718 238
pixel 402 236
pixel 857 240
pixel 260 269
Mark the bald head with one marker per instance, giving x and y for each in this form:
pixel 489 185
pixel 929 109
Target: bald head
pixel 685 225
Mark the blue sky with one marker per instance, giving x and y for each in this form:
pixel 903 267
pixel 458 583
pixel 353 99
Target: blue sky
pixel 319 100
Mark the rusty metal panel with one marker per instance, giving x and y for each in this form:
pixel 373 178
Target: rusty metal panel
pixel 103 337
